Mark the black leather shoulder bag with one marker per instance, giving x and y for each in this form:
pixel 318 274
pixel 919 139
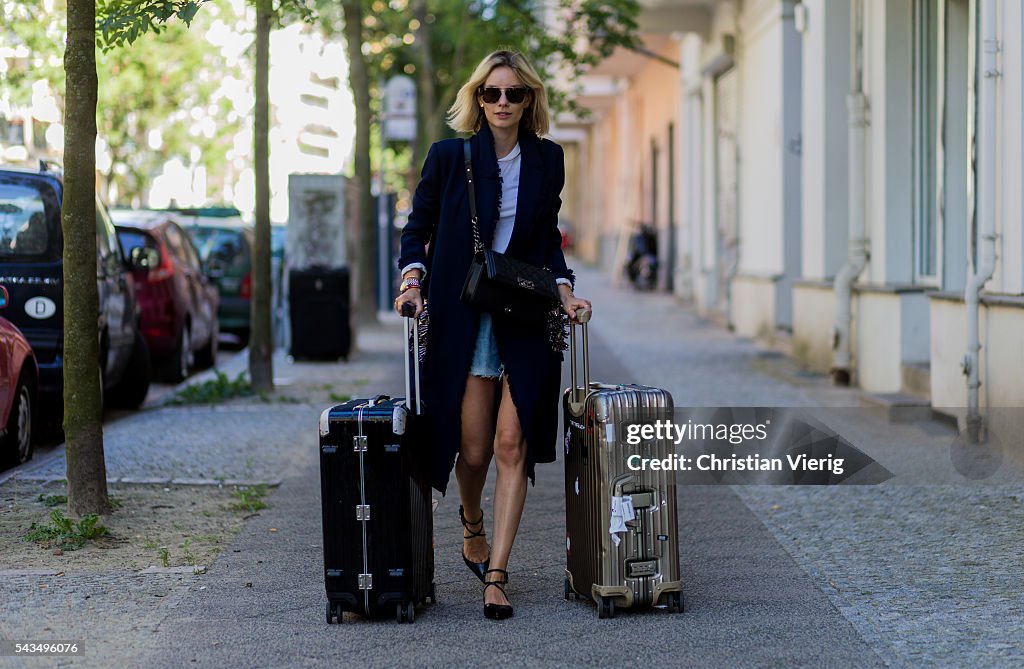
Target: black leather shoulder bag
pixel 500 285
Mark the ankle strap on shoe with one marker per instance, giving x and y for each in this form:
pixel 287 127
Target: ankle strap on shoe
pixel 502 581
pixel 466 524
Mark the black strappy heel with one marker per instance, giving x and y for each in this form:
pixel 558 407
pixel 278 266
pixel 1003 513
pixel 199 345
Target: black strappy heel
pixel 497 611
pixel 478 568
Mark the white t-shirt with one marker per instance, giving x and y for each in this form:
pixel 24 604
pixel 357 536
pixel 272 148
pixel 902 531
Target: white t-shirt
pixel 509 169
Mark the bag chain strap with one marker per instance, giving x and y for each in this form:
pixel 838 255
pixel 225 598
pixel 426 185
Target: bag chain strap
pixel 478 246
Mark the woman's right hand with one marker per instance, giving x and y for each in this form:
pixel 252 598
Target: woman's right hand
pixel 411 296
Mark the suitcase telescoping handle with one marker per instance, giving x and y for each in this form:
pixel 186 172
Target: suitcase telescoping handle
pixel 579 394
pixel 412 359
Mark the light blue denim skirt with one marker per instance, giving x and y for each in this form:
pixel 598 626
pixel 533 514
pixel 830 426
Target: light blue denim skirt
pixel 486 361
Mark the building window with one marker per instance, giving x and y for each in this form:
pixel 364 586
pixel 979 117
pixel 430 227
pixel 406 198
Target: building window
pixel 943 133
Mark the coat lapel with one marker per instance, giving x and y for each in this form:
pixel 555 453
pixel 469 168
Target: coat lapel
pixel 531 187
pixel 485 170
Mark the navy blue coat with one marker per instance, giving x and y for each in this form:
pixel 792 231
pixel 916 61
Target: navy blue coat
pixel 439 235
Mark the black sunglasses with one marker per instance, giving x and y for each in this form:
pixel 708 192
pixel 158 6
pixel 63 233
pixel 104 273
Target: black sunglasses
pixel 492 94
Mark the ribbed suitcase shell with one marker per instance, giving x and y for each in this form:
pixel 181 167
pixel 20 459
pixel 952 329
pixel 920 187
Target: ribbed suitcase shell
pixel 643 570
pixel 377 514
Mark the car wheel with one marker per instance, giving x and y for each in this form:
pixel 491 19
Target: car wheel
pixel 17 443
pixel 180 361
pixel 131 391
pixel 207 356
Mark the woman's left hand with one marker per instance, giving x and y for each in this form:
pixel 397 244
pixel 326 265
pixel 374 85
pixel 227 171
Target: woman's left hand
pixel 571 303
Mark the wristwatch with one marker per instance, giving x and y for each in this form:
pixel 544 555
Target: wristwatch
pixel 411 282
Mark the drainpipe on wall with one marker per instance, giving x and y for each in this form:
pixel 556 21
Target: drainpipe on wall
pixel 986 219
pixel 733 270
pixel 857 254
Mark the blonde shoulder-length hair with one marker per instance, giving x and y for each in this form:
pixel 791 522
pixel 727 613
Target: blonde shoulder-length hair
pixel 466 115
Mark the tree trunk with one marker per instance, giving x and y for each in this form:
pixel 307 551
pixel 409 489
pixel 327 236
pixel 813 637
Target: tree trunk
pixel 447 95
pixel 83 409
pixel 261 346
pixel 429 122
pixel 364 259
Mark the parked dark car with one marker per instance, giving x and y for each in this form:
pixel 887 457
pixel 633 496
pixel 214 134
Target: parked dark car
pixel 32 273
pixel 18 380
pixel 225 246
pixel 177 302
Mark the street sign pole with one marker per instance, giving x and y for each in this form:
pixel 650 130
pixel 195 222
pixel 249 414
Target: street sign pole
pixel 383 257
pixel 398 123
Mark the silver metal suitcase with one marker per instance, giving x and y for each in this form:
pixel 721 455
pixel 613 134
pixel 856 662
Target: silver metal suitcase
pixel 638 564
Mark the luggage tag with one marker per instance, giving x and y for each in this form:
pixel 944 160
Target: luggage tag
pixel 622 511
pixel 628 513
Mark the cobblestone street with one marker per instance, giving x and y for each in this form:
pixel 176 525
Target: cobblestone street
pixel 922 570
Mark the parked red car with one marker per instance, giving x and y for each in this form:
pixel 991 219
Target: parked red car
pixel 19 378
pixel 177 302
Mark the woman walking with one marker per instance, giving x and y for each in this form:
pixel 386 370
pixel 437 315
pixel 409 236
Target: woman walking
pixel 492 384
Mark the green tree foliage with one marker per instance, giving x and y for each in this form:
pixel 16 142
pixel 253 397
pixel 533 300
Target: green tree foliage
pixel 562 38
pixel 168 83
pixel 152 87
pixel 122 22
pixel 29 27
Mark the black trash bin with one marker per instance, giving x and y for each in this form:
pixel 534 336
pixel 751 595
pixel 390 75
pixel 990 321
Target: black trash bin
pixel 318 305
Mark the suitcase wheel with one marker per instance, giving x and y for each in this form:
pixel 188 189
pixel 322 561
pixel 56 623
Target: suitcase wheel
pixel 605 607
pixel 334 613
pixel 567 590
pixel 431 597
pixel 405 613
pixel 675 602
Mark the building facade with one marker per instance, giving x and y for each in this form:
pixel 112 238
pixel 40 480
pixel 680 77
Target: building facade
pixel 842 177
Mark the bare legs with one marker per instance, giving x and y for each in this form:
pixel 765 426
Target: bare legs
pixel 475 457
pixel 509 489
pixel 480 440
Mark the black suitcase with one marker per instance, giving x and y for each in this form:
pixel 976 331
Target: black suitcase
pixel 318 308
pixel 377 508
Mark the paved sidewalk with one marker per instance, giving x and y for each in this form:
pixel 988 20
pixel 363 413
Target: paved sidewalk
pixel 117 614
pixel 926 567
pixel 921 571
pixel 748 603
